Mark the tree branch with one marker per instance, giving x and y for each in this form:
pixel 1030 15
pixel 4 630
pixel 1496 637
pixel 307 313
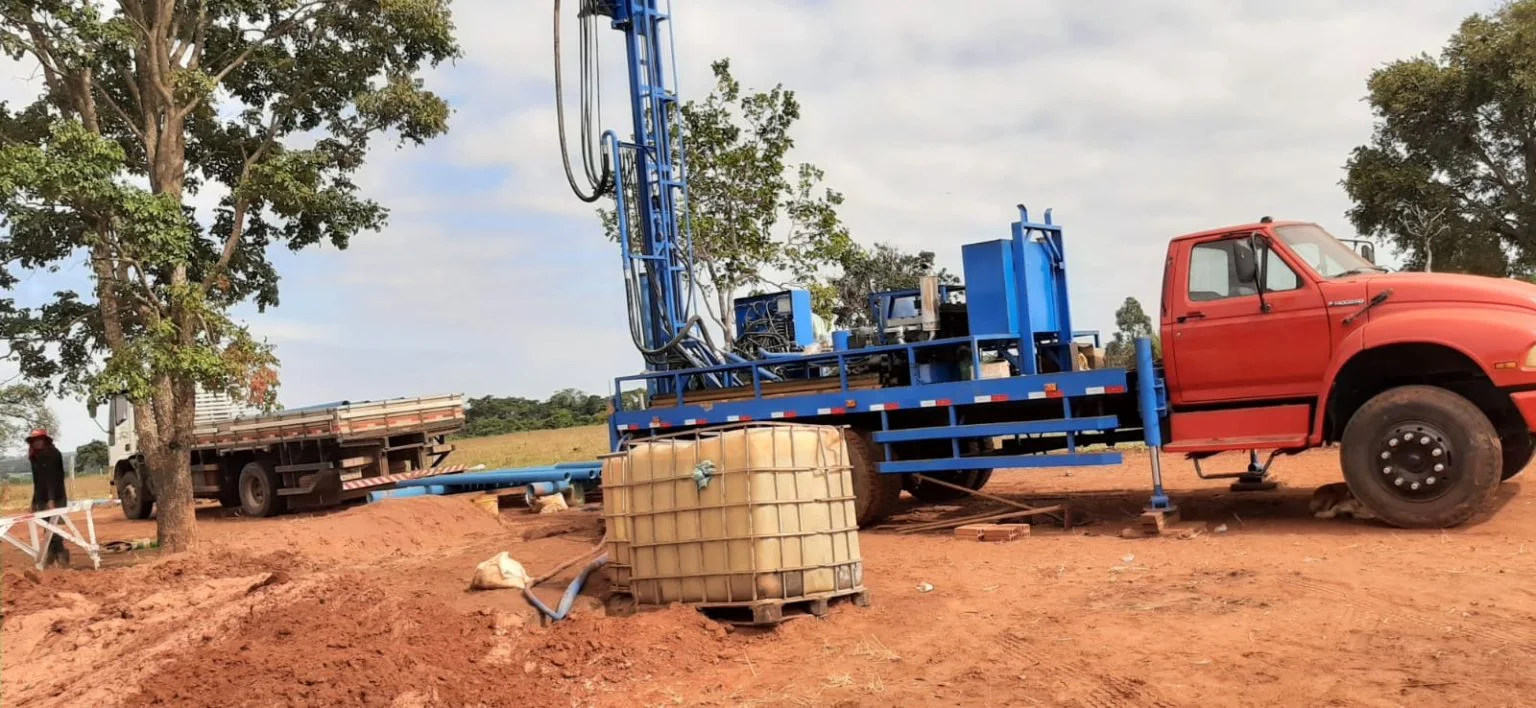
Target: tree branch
pixel 241 205
pixel 137 131
pixel 273 32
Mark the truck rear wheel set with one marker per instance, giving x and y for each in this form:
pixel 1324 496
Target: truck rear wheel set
pixel 1422 457
pixel 258 486
pixel 135 497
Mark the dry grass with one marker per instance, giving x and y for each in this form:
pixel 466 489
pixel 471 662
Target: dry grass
pixel 17 496
pixel 539 447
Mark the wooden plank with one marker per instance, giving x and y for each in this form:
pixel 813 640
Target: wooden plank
pixel 992 533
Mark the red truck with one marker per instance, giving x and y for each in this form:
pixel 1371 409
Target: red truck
pixel 1277 336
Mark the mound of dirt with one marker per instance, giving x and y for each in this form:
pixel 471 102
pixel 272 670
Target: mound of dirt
pixel 337 642
pixel 68 632
pixel 364 534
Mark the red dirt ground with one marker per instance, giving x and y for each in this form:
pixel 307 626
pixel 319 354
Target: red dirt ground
pixel 369 606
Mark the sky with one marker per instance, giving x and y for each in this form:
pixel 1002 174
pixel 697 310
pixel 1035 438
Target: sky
pixel 1135 122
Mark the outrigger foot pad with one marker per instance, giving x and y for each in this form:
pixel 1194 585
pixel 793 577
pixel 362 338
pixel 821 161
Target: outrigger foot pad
pixel 1255 483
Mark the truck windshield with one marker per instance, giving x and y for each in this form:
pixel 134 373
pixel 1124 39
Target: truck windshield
pixel 1326 254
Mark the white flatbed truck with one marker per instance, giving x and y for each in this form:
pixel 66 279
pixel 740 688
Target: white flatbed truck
pixel 301 458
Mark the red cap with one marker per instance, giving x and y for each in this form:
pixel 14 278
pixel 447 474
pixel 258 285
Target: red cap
pixel 38 433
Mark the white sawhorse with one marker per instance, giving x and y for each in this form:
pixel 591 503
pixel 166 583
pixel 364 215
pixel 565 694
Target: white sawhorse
pixel 48 522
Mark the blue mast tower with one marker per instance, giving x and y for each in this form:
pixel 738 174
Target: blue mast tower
pixel 649 186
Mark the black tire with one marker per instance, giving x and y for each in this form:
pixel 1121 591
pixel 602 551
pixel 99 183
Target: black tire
pixel 258 490
pixel 1421 457
pixel 137 503
pixel 973 480
pixel 1518 449
pixel 229 493
pixel 875 495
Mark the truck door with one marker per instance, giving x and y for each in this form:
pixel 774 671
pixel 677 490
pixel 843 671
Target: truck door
pixel 1226 346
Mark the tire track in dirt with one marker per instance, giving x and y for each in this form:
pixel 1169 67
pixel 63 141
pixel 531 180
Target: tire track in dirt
pixel 1094 688
pixel 1352 602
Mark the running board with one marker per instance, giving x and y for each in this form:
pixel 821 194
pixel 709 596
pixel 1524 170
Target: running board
pixel 1261 442
pixel 985 462
pixel 998 430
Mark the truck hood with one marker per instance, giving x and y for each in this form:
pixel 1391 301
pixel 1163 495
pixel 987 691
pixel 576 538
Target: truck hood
pixel 1412 287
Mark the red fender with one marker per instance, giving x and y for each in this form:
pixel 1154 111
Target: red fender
pixel 1485 334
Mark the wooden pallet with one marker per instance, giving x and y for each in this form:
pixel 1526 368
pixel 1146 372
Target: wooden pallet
pixel 771 612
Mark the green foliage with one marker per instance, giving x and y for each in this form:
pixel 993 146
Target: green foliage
pixel 1131 322
pixel 865 271
pixel 569 408
pixel 91 458
pixel 270 104
pixel 753 215
pixel 23 407
pixel 1454 138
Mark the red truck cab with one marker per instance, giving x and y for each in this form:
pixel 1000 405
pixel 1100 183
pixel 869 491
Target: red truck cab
pixel 1278 336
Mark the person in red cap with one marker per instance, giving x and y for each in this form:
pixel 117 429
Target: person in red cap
pixel 48 488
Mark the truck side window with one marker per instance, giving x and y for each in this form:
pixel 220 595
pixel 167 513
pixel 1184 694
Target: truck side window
pixel 1211 275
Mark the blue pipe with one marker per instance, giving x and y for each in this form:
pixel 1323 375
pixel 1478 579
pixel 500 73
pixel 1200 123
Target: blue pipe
pixel 577 465
pixel 571 591
pixel 544 489
pixel 507 477
pixel 406 492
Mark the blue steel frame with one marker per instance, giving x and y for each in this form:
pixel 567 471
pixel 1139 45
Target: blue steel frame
pixel 665 255
pixel 957 398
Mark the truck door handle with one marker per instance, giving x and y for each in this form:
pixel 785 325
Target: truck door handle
pixel 1195 315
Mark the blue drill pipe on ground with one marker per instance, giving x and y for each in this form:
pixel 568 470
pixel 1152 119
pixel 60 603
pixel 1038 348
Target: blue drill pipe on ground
pixel 406 492
pixel 544 489
pixel 494 477
pixel 588 471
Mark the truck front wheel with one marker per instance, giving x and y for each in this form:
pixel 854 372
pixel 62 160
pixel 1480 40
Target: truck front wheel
pixel 874 495
pixel 258 490
pixel 1517 453
pixel 134 497
pixel 1422 457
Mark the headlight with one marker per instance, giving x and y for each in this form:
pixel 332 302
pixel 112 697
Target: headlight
pixel 1530 359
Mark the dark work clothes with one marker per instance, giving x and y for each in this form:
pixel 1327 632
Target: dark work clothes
pixel 48 493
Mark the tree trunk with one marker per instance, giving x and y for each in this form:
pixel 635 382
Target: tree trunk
pixel 164 437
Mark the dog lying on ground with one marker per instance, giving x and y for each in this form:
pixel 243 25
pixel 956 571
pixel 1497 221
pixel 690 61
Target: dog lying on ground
pixel 1334 500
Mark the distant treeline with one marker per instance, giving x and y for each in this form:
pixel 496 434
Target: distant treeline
pixel 496 415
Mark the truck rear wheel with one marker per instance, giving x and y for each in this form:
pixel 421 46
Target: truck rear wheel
pixel 1422 457
pixel 258 490
pixel 875 495
pixel 973 480
pixel 134 497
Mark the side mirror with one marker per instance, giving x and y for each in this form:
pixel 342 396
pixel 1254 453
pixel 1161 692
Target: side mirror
pixel 1245 262
pixel 1368 252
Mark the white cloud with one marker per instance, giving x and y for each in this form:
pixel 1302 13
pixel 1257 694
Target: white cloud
pixel 1136 122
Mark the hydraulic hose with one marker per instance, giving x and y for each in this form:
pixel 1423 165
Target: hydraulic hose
pixel 601 182
pixel 569 596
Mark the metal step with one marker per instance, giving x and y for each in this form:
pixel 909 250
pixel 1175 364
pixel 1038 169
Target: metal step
pixel 999 430
pixel 957 464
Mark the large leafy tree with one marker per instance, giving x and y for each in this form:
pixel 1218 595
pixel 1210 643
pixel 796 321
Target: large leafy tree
pixel 268 105
pixel 92 457
pixel 870 270
pixel 1131 323
pixel 23 407
pixel 756 218
pixel 1455 138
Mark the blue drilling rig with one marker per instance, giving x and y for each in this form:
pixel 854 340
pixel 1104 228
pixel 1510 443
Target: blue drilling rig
pixel 949 383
